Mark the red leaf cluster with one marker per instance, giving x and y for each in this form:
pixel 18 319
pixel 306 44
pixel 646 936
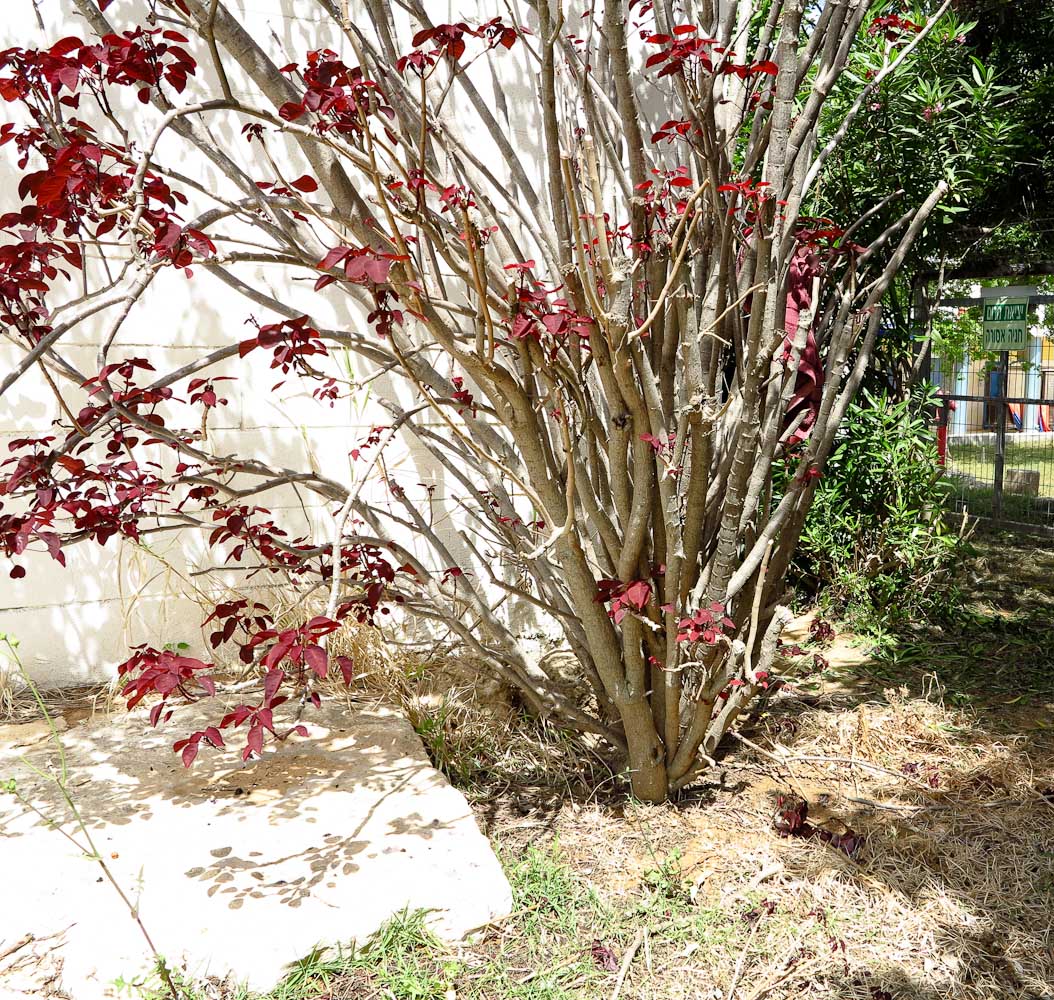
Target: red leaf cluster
pixel 658 444
pixel 291 340
pixel 449 41
pixel 706 625
pixel 676 128
pixel 893 27
pixel 681 48
pixel 163 672
pixel 339 96
pixel 821 631
pixel 143 58
pixel 747 189
pixel 463 396
pixel 203 391
pixel 625 598
pixel 538 313
pixel 684 48
pixel 360 265
pixel 791 819
pixel 365 266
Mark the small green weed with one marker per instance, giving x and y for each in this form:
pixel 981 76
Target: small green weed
pixel 311 975
pixel 456 758
pixel 152 986
pixel 666 891
pixel 405 960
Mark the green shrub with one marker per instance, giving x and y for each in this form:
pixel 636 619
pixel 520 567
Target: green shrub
pixel 878 542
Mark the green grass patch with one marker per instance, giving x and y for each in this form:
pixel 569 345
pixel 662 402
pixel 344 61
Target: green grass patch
pixel 979 501
pixel 553 947
pixel 971 477
pixel 979 460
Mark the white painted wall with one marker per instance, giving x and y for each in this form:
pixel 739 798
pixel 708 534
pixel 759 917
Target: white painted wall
pixel 76 624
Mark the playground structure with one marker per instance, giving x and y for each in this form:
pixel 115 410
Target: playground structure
pixel 1030 377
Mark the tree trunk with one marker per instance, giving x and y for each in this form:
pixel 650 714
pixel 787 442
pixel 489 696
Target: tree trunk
pixel 647 759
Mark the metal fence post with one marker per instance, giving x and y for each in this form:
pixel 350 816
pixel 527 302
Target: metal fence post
pixel 1000 434
pixel 943 419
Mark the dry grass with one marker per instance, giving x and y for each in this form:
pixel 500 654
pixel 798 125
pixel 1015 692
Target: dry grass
pixel 7 696
pixel 72 704
pixel 951 895
pixel 473 726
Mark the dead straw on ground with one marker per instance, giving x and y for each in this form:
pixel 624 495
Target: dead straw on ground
pixel 951 895
pixel 7 697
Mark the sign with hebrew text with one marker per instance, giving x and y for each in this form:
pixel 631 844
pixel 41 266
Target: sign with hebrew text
pixel 1006 324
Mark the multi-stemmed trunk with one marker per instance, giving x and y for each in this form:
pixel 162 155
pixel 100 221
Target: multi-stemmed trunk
pixel 631 357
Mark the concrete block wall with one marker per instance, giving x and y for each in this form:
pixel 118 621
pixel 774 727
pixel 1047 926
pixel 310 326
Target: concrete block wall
pixel 75 624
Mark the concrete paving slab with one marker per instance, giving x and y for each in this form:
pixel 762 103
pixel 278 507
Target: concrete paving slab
pixel 237 869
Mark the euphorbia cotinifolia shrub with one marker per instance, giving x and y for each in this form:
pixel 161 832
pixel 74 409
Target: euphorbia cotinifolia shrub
pixel 587 253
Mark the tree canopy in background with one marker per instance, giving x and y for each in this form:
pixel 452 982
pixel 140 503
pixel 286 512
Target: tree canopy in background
pixel 972 107
pixel 1011 226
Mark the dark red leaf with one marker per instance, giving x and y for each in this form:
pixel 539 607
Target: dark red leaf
pixel 272 681
pixel 253 742
pixel 604 957
pixel 347 668
pixel 65 46
pixel 212 734
pixel 316 659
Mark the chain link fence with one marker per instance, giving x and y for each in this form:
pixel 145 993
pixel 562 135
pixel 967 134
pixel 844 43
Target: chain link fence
pixel 997 442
